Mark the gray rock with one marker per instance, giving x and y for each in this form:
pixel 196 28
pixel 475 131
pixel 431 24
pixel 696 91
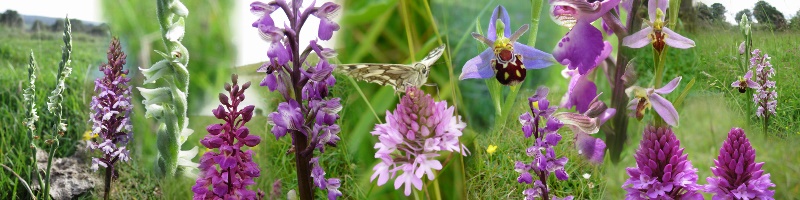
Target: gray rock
pixel 70 176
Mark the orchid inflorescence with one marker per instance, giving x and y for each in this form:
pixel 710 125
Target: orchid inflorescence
pixel 414 135
pixel 230 170
pixel 111 118
pixel 308 114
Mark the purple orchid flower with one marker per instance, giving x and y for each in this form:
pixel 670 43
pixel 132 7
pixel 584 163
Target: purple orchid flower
pixel 745 82
pixel 737 175
pixel 505 59
pixel 657 33
pixel 581 47
pixel 662 169
pixel 643 98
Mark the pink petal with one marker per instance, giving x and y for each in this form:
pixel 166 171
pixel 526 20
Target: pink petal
pixel 664 109
pixel 670 86
pixel 638 39
pixel 675 40
pixel 651 9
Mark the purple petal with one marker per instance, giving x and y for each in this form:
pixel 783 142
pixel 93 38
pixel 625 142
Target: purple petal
pixel 533 58
pixel 752 84
pixel 525 177
pixel 581 93
pixel 562 175
pixel 478 67
pixel 499 13
pixel 326 29
pixel 580 48
pixel 651 9
pixel 638 39
pixel 664 109
pixel 592 148
pixel 670 86
pixel 271 81
pixel 675 40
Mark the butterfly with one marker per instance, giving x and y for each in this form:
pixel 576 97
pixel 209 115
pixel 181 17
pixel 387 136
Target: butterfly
pixel 399 76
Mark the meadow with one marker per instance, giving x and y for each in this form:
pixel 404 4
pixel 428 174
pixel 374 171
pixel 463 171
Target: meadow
pixel 394 31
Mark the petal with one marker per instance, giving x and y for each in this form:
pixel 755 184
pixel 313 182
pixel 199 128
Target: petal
pixel 326 29
pixel 752 84
pixel 581 93
pixel 670 86
pixel 533 58
pixel 582 122
pixel 592 148
pixel 580 48
pixel 748 75
pixel 675 40
pixel 651 9
pixel 499 13
pixel 664 109
pixel 478 67
pixel 638 39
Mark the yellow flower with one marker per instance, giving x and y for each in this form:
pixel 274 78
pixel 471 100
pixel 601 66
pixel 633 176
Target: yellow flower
pixel 88 135
pixel 491 149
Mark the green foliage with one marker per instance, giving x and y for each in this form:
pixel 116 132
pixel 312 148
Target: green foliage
pixel 718 11
pixel 208 35
pixel 15 47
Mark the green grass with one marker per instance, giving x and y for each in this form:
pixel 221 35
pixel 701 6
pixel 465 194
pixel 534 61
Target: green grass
pixel 15 48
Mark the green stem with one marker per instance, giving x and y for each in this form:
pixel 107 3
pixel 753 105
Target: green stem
pixel 766 121
pixel 417 195
pixel 24 183
pixel 436 190
pixel 536 9
pixel 49 166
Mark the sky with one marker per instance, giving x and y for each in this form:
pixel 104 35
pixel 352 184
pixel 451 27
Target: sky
pixel 85 10
pixel 787 7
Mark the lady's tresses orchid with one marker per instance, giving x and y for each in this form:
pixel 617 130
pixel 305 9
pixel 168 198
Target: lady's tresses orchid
pixel 583 44
pixel 657 34
pixel 506 59
pixel 643 98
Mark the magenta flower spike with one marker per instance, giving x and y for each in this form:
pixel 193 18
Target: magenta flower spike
pixel 657 33
pixel 583 46
pixel 411 139
pixel 644 98
pixel 505 59
pixel 736 173
pixel 662 170
pixel 229 170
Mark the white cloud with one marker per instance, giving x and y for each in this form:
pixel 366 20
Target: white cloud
pixel 85 10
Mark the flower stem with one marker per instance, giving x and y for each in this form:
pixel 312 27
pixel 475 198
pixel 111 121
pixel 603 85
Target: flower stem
pixel 109 171
pixel 436 189
pixel 53 148
pixel 536 9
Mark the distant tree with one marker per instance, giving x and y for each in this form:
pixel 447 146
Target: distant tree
pixel 718 11
pixel 794 23
pixel 11 18
pixel 99 30
pixel 38 26
pixel 58 25
pixel 704 12
pixel 744 12
pixel 769 15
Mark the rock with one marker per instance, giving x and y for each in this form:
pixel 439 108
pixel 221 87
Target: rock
pixel 70 176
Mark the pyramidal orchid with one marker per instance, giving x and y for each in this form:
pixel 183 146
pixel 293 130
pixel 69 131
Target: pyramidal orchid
pixel 645 98
pixel 583 46
pixel 111 118
pixel 543 126
pixel 662 170
pixel 307 114
pixel 230 169
pixel 413 136
pixel 505 59
pixel 657 33
pixel 736 173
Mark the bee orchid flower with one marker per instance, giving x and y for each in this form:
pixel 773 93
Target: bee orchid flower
pixel 657 33
pixel 643 98
pixel 505 59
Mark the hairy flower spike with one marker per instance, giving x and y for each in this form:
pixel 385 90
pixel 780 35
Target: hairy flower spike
pixel 662 170
pixel 412 137
pixel 308 114
pixel 230 170
pixel 736 173
pixel 167 104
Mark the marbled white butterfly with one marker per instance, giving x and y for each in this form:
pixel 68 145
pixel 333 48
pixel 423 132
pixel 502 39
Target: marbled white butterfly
pixel 399 76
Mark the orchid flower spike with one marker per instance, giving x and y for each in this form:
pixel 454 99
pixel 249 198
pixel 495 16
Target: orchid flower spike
pixel 643 98
pixel 505 59
pixel 657 33
pixel 582 47
pixel 745 82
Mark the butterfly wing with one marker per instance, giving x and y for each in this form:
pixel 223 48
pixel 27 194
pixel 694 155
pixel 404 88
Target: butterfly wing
pixel 433 56
pixel 395 75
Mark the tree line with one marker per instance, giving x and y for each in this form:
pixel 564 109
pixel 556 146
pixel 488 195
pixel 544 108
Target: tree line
pixel 12 19
pixel 766 16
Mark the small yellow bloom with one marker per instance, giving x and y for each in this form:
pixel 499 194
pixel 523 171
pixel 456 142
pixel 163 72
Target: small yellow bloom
pixel 88 135
pixel 491 149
